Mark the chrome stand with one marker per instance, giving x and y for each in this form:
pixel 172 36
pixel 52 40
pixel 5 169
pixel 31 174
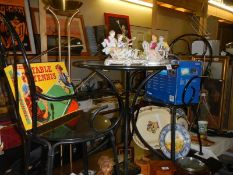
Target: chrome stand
pixel 52 11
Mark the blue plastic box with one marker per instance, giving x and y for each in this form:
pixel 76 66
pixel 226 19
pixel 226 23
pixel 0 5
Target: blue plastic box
pixel 168 85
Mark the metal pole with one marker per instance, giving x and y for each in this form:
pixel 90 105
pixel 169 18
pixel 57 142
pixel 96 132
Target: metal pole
pixel 68 33
pixel 126 118
pixel 59 31
pixel 173 133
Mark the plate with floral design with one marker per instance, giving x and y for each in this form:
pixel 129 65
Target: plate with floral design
pixel 151 120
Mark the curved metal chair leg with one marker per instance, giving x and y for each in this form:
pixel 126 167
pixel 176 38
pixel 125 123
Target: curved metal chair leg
pixel 85 159
pixel 50 161
pixel 27 149
pixel 95 149
pixel 113 142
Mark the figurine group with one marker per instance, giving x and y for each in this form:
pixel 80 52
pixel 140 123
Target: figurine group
pixel 156 50
pixel 119 48
pixel 121 51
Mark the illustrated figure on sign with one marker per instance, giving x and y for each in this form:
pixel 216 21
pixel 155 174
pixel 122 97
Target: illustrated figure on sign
pixel 124 30
pixel 63 79
pixel 109 43
pixel 18 21
pixel 41 114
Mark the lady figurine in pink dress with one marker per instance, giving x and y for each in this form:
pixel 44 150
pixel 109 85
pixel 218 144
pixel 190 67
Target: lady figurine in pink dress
pixel 153 43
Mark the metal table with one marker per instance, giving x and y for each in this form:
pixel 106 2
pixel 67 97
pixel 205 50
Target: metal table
pixel 98 67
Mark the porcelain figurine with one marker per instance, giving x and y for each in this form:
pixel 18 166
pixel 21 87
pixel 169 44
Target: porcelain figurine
pixel 105 166
pixel 155 52
pixel 162 47
pixel 153 43
pixel 120 51
pixel 110 43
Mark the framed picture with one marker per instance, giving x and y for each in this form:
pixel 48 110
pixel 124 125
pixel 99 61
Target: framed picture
pixel 213 104
pixel 77 31
pixel 118 23
pixel 18 13
pixel 141 34
pixel 121 153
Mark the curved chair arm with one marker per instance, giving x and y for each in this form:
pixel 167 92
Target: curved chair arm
pixel 61 98
pixel 95 114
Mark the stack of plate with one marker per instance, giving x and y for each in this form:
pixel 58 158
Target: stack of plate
pixel 153 124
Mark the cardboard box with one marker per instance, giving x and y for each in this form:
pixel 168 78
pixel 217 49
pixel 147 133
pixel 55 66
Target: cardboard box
pixel 144 165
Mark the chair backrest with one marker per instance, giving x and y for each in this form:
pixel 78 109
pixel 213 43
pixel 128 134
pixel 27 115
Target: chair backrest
pixel 42 91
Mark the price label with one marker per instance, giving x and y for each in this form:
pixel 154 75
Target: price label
pixel 168 66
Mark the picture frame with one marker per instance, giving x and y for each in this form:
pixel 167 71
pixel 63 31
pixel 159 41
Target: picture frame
pixel 214 110
pixel 19 14
pixel 121 153
pixel 77 31
pixel 119 23
pixel 141 34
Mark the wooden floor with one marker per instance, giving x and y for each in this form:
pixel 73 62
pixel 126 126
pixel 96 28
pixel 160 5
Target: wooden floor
pixel 77 164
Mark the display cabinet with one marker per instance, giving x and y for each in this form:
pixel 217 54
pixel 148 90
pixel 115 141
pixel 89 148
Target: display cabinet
pixel 217 98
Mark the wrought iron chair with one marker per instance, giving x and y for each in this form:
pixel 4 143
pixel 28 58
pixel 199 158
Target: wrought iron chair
pixel 73 128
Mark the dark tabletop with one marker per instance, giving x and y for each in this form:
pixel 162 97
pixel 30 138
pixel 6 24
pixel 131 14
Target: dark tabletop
pixel 100 65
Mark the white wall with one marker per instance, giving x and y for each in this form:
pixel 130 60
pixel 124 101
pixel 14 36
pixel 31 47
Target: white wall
pixel 176 23
pixel 93 12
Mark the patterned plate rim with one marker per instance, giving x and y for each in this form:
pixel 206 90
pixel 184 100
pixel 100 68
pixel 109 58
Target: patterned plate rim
pixel 187 139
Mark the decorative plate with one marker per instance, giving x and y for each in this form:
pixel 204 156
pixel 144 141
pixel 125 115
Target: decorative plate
pixel 183 121
pixel 183 141
pixel 151 120
pixel 180 113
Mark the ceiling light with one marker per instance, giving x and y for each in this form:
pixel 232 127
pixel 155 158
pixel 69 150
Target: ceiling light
pixel 221 20
pixel 221 5
pixel 143 3
pixel 165 5
pixel 182 9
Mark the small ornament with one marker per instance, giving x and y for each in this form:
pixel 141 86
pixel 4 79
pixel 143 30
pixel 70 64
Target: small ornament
pixel 106 166
pixel 163 47
pixel 155 52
